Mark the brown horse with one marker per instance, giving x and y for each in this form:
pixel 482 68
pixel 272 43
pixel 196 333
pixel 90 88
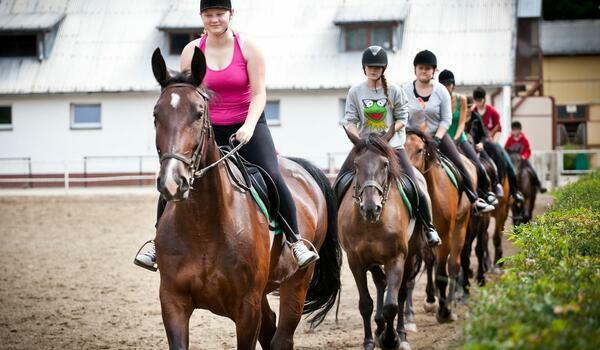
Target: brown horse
pixel 523 212
pixel 500 214
pixel 477 230
pixel 213 245
pixel 451 215
pixel 375 230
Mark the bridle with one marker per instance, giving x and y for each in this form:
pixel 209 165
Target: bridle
pixel 382 189
pixel 193 162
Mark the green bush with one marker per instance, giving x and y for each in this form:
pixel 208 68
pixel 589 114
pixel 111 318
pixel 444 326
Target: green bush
pixel 549 296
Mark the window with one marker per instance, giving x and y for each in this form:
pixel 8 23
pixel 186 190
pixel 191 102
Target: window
pixel 85 116
pixel 571 125
pixel 5 118
pixel 357 37
pixel 24 45
pixel 272 113
pixel 178 41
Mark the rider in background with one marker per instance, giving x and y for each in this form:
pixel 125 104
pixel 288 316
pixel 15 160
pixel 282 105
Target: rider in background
pixel 518 142
pixel 491 120
pixel 429 104
pixel 235 73
pixel 478 134
pixel 373 106
pixel 456 131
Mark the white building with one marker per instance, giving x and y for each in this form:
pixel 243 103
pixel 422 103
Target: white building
pixel 76 81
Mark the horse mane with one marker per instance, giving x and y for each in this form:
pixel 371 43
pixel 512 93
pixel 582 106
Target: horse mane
pixel 375 143
pixel 432 151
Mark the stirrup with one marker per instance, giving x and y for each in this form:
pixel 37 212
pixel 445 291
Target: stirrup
pixel 142 265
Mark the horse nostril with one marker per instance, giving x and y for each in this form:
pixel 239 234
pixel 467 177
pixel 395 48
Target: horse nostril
pixel 378 209
pixel 184 185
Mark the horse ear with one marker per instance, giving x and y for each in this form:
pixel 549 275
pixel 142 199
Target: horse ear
pixel 159 68
pixel 390 133
pixel 198 66
pixel 353 137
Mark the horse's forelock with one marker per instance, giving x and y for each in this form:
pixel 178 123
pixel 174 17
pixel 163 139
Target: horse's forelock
pixel 377 144
pixel 430 147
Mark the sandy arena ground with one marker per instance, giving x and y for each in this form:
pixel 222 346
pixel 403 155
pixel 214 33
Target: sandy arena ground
pixel 67 282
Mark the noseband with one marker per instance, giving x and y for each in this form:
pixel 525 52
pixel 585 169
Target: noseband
pixel 382 189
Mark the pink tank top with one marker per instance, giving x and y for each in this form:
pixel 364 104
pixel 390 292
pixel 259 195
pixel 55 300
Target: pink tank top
pixel 231 86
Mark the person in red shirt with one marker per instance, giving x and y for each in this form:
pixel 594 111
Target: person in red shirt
pixel 518 142
pixel 489 114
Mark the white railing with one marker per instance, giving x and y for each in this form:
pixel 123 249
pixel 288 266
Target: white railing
pixel 92 169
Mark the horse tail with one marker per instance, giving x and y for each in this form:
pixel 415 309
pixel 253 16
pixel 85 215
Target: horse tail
pixel 325 284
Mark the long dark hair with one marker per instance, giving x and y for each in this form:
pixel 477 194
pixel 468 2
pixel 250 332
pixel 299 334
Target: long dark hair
pixel 386 91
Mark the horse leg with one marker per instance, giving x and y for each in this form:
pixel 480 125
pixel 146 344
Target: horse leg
pixel 498 240
pixel 380 282
pixel 292 295
pixel 480 251
pixel 430 300
pixel 402 298
pixel 176 311
pixel 458 239
pixel 394 272
pixel 268 325
pixel 441 280
pixel 465 257
pixel 247 322
pixel 365 303
pixel 409 312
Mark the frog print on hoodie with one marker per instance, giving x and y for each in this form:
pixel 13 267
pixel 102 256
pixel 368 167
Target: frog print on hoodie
pixel 375 112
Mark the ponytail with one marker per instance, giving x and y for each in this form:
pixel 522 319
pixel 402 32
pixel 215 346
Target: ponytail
pixel 386 92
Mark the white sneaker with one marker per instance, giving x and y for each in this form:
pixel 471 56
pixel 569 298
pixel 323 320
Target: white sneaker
pixel 303 255
pixel 482 207
pixel 491 199
pixel 147 259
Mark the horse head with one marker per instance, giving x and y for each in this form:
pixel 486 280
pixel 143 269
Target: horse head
pixel 182 125
pixel 376 167
pixel 421 151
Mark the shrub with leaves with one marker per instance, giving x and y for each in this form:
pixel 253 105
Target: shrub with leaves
pixel 549 297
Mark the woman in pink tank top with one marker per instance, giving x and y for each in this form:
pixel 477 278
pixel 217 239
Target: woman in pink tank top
pixel 236 76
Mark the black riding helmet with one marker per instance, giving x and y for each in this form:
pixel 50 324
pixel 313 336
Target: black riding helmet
pixel 215 4
pixel 375 56
pixel 426 58
pixel 446 77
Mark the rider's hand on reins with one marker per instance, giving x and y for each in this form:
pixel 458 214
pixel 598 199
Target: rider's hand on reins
pixel 244 133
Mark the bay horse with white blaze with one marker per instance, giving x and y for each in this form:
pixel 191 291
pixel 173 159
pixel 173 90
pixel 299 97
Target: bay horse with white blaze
pixel 213 244
pixel 376 231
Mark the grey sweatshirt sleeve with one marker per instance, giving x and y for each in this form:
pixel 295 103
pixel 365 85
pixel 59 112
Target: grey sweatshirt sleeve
pixel 401 106
pixel 351 113
pixel 445 108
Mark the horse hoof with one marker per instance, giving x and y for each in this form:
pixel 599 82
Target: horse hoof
pixel 387 345
pixel 404 345
pixel 496 270
pixel 449 318
pixel 369 345
pixel 430 307
pixel 410 327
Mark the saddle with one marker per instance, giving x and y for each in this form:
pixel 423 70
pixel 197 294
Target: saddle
pixel 260 185
pixel 452 172
pixel 406 187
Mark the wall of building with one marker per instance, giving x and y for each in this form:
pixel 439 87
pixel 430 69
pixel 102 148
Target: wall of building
pixel 535 115
pixel 42 130
pixel 572 79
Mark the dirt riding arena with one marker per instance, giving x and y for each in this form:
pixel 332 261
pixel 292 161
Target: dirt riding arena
pixel 67 282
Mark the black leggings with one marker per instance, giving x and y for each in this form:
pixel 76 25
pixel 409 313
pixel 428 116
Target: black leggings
pixel 448 148
pixel 260 151
pixel 483 182
pixel 484 155
pixel 495 151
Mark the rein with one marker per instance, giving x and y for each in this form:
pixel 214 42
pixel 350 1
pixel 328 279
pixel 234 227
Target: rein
pixel 193 162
